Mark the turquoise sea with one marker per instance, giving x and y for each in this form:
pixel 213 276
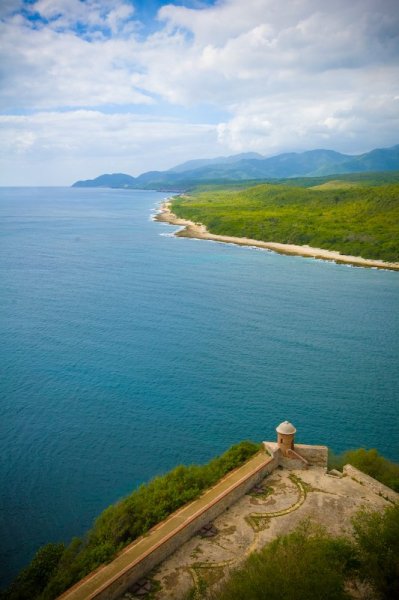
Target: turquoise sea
pixel 125 351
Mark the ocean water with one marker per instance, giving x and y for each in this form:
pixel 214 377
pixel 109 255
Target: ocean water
pixel 125 351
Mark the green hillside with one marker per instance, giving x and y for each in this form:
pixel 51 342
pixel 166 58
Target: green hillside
pixel 358 219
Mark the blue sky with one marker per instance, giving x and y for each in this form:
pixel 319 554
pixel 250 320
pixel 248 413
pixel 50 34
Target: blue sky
pixel 94 86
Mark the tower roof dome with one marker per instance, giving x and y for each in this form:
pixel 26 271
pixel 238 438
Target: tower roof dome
pixel 286 427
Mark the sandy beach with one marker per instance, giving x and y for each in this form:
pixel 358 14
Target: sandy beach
pixel 196 230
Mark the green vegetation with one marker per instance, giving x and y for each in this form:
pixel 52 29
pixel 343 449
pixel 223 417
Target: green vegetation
pixel 360 179
pixel 371 463
pixel 56 567
pixel 364 179
pixel 306 564
pixel 377 537
pixel 310 564
pixel 358 219
pixel 35 577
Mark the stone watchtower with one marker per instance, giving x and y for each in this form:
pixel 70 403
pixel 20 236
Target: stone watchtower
pixel 285 438
pixel 300 456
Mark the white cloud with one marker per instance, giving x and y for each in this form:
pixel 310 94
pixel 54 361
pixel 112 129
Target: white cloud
pixel 291 75
pixel 270 43
pixel 10 7
pixel 45 69
pixel 82 143
pixel 63 14
pixel 351 111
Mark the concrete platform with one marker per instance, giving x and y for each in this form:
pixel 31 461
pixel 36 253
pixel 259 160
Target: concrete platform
pixel 290 496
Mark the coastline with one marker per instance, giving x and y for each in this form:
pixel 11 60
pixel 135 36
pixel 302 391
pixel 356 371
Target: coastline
pixel 199 231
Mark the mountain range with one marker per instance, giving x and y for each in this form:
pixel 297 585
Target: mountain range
pixel 252 166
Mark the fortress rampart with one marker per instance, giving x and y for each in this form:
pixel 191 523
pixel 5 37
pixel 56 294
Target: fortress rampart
pixel 136 560
pixel 373 484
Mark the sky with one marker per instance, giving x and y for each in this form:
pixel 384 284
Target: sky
pixel 103 86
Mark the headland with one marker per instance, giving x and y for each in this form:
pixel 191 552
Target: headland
pixel 199 231
pixel 199 545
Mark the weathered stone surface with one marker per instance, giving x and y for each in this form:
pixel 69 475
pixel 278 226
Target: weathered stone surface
pixel 375 486
pixel 250 523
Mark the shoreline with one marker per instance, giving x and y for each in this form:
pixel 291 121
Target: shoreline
pixel 199 231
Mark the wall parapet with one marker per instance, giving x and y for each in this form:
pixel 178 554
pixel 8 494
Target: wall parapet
pixel 316 456
pixel 136 560
pixel 377 487
pixel 141 556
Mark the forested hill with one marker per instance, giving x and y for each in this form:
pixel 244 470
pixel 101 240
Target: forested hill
pixel 252 166
pixel 355 219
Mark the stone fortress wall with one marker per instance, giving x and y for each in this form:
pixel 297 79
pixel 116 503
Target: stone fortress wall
pixel 140 557
pixel 119 582
pixel 375 486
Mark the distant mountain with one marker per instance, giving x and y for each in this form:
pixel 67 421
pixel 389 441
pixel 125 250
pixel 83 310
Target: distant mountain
pixel 190 165
pixel 280 166
pixel 115 180
pixel 381 159
pixel 252 166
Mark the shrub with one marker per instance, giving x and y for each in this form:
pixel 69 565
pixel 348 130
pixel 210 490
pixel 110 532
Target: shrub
pixel 34 578
pixel 377 537
pixel 371 463
pixel 306 564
